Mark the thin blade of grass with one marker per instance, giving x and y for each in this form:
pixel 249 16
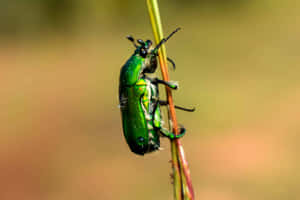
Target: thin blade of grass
pixel 183 188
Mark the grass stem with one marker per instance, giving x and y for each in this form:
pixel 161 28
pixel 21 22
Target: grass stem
pixel 183 189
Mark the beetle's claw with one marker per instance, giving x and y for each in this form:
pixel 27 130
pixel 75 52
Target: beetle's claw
pixel 182 131
pixel 175 85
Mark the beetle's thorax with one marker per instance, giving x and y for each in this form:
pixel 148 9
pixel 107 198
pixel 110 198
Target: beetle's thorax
pixel 150 63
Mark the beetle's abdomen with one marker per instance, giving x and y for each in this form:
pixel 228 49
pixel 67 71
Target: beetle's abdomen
pixel 139 117
pixel 133 119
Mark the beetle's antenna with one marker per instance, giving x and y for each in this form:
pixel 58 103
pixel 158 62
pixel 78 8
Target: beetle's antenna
pixel 165 40
pixel 131 39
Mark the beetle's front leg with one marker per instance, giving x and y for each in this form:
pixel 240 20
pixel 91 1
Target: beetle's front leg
pixel 171 135
pixel 170 84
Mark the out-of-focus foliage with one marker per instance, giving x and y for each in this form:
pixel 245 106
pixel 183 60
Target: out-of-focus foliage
pixel 31 16
pixel 19 16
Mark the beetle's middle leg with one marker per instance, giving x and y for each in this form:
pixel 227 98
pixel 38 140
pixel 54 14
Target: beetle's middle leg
pixel 170 84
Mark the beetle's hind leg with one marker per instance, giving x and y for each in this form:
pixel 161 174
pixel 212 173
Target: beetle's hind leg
pixel 165 103
pixel 171 135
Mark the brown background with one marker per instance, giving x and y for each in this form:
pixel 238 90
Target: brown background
pixel 60 131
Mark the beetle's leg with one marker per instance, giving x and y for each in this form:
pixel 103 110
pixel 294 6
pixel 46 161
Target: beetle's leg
pixel 157 116
pixel 164 40
pixel 165 103
pixel 171 135
pixel 185 109
pixel 172 62
pixel 171 85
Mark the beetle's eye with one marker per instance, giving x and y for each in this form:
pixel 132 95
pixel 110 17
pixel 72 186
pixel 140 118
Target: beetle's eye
pixel 143 52
pixel 149 43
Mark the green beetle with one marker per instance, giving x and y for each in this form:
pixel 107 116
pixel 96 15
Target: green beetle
pixel 139 99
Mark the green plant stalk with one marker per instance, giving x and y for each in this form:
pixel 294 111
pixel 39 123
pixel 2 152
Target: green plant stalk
pixel 158 35
pixel 183 188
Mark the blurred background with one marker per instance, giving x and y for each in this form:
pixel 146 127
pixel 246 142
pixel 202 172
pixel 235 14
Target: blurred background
pixel 61 135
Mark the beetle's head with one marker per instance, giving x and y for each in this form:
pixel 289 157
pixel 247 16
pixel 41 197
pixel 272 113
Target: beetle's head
pixel 144 50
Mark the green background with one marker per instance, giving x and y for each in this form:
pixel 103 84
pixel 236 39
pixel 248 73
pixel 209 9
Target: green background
pixel 60 133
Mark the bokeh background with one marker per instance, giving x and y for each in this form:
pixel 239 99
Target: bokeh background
pixel 60 132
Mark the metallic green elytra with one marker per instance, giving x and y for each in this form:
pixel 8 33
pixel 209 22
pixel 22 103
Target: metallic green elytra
pixel 139 99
